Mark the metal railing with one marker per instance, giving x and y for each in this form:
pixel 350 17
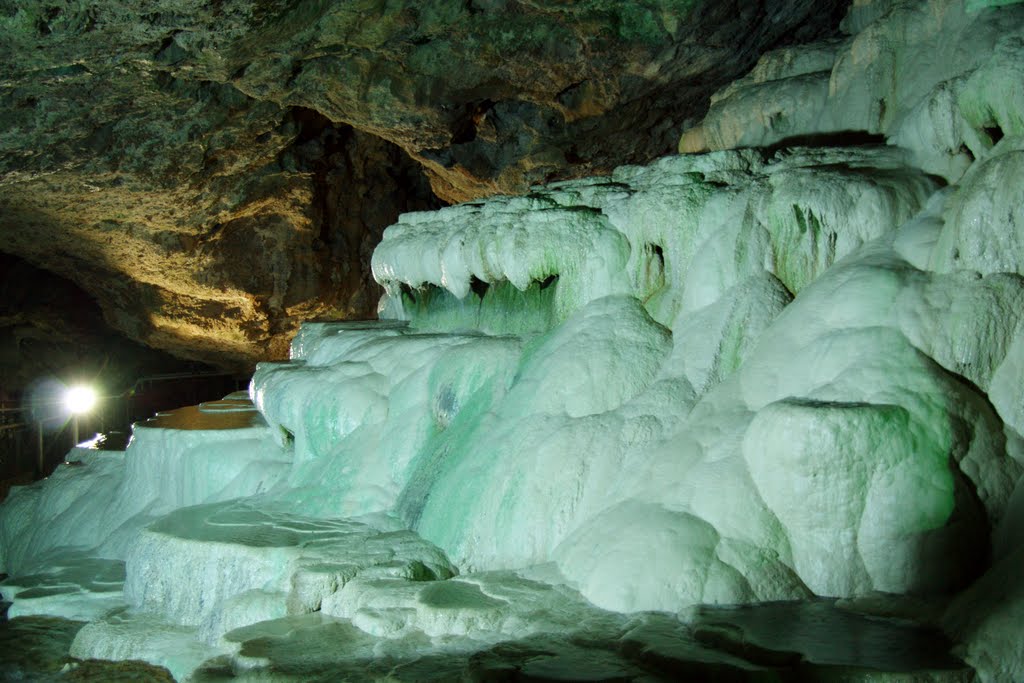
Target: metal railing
pixel 35 436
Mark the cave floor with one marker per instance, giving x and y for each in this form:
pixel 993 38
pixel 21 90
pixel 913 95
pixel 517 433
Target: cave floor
pixel 793 641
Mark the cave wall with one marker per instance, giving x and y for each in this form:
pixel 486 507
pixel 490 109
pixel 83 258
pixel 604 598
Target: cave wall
pixel 215 250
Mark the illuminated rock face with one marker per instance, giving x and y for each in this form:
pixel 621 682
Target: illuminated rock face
pixel 216 250
pixel 726 378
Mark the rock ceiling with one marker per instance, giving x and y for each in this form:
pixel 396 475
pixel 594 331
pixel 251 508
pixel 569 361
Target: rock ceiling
pixel 213 173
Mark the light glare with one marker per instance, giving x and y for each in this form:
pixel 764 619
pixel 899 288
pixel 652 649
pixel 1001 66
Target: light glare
pixel 80 399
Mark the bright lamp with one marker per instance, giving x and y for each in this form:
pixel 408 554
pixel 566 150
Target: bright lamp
pixel 80 399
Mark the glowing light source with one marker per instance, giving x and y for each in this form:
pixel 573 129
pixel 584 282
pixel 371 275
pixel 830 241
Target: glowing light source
pixel 80 399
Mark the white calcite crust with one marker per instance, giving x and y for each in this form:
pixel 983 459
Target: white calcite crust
pixel 125 636
pixel 932 76
pixel 676 234
pixel 249 563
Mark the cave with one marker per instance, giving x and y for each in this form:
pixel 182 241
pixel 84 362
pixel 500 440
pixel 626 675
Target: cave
pixel 512 340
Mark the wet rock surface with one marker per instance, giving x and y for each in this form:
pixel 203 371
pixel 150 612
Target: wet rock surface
pixel 36 649
pixel 727 644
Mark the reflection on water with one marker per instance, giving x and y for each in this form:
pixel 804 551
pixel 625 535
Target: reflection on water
pixel 235 411
pixel 228 413
pixel 819 632
pixel 795 641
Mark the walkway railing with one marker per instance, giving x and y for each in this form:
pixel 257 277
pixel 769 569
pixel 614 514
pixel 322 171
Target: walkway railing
pixel 36 434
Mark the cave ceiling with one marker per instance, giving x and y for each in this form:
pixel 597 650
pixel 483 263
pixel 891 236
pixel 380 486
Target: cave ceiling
pixel 214 173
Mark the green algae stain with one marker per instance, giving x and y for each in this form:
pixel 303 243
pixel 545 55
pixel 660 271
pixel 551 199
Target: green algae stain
pixel 502 309
pixel 802 248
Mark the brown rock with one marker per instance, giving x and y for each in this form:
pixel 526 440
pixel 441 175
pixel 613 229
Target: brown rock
pixel 219 253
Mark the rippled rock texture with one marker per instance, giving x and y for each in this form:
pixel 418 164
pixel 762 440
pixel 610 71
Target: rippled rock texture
pixel 213 173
